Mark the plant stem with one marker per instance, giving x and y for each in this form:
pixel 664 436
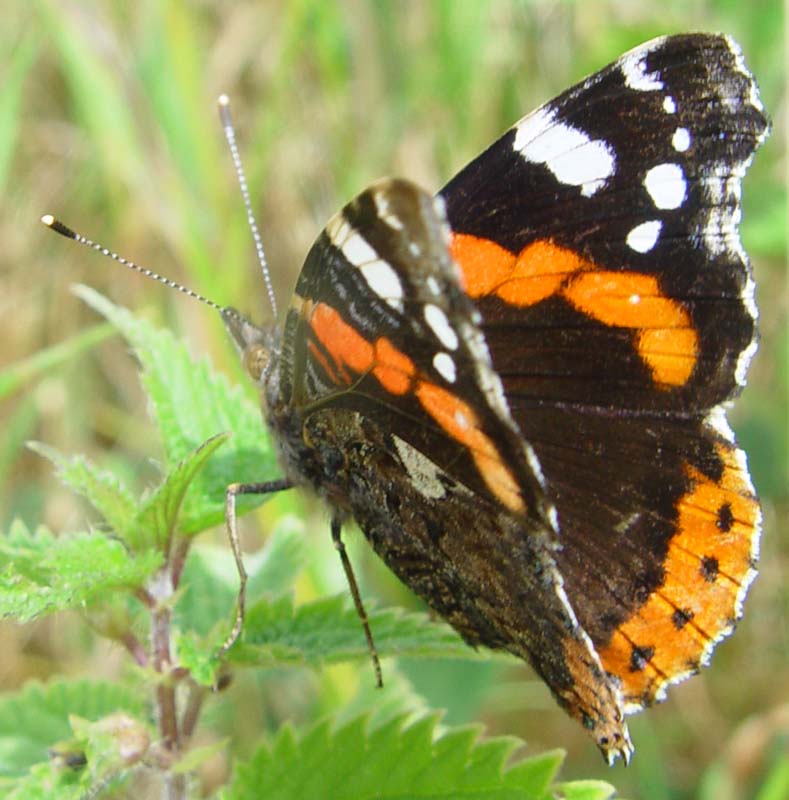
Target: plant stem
pixel 161 588
pixel 194 705
pixel 135 649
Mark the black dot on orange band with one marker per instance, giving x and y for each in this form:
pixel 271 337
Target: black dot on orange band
pixel 709 569
pixel 693 665
pixel 640 657
pixel 681 617
pixel 725 518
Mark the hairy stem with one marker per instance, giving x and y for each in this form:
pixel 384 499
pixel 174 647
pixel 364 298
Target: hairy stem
pixel 161 589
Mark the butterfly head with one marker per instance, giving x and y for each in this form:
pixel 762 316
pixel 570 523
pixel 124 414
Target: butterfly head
pixel 255 344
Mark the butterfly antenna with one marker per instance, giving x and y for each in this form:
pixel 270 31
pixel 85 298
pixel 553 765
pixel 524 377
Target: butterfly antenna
pixel 230 134
pixel 57 226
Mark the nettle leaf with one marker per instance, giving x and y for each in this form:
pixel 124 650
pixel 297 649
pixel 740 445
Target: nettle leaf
pixel 191 403
pixel 209 586
pixel 37 717
pixel 103 490
pixel 45 782
pixel 274 568
pixel 394 760
pixel 209 590
pixel 155 523
pixel 328 631
pixel 584 790
pixel 41 573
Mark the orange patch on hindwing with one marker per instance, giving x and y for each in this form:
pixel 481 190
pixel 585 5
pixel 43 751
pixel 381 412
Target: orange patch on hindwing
pixel 708 567
pixel 666 340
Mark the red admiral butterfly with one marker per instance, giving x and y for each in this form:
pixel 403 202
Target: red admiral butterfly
pixel 517 388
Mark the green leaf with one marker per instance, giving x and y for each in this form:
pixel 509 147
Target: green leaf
pixel 209 590
pixel 394 760
pixel 35 718
pixel 155 524
pixel 102 489
pixel 40 574
pixel 192 403
pixel 584 790
pixel 209 585
pixel 195 655
pixel 274 568
pixel 110 745
pixel 328 630
pixel 46 781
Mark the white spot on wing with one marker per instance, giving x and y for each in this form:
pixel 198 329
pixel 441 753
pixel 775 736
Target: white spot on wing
pixel 432 285
pixel 424 474
pixel 666 185
pixel 669 106
pixel 534 464
pixel 642 238
pixel 744 361
pixel 749 297
pixel 739 65
pixel 439 324
pixel 383 280
pixel 532 127
pixel 380 276
pixel 338 230
pixel 716 419
pixel 568 152
pixel 634 69
pixel 385 212
pixel 680 141
pixel 358 250
pixel 445 366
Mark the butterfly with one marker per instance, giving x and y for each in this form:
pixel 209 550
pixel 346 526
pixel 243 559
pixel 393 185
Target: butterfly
pixel 517 387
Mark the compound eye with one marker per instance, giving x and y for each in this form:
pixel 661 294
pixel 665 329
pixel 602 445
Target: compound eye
pixel 256 358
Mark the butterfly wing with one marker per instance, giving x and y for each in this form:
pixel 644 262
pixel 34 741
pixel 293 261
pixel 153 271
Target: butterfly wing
pixel 384 398
pixel 598 239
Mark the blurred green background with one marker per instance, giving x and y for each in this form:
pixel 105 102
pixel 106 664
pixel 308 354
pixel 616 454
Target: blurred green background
pixel 107 119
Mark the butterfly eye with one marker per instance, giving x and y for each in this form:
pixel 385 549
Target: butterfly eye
pixel 256 358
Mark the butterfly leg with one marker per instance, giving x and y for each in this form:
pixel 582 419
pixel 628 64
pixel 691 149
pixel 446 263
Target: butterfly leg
pixel 336 530
pixel 231 521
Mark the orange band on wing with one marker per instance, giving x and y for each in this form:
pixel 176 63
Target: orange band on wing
pixel 394 369
pixel 460 422
pixel 397 374
pixel 709 561
pixel 348 348
pixel 340 340
pixel 666 341
pixel 535 274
